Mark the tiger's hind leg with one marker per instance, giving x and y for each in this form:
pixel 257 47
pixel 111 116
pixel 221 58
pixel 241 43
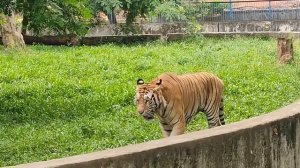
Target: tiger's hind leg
pixel 212 117
pixel 221 112
pixel 215 114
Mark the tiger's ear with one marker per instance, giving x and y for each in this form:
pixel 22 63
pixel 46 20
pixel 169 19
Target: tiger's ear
pixel 158 82
pixel 140 82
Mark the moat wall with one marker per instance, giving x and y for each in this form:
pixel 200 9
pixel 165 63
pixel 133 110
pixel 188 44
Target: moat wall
pixel 268 141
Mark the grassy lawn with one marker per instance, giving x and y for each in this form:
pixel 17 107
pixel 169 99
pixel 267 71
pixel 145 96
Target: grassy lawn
pixel 62 101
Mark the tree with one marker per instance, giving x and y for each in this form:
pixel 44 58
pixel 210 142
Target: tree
pixel 106 6
pixel 10 25
pixel 43 17
pixel 170 11
pixel 56 16
pixel 136 7
pixel 132 8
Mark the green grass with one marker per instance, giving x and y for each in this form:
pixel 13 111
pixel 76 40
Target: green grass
pixel 62 101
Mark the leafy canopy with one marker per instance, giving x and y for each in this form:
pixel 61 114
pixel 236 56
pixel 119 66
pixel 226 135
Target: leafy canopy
pixel 54 16
pixel 132 8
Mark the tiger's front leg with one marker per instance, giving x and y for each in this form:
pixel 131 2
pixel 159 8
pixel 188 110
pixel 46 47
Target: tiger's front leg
pixel 165 129
pixel 174 122
pixel 179 124
pixel 178 129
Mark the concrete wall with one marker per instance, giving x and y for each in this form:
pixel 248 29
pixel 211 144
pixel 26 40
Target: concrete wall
pixel 143 28
pixel 140 38
pixel 252 26
pixel 166 28
pixel 267 141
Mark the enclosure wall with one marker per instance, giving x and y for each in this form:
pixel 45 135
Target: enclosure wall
pixel 270 141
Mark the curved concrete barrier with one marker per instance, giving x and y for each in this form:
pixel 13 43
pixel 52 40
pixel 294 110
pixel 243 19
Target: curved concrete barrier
pixel 270 141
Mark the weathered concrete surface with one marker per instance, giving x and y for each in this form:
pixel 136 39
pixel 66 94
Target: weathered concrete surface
pixel 252 26
pixel 267 141
pixel 74 40
pixel 216 26
pixel 142 28
pixel 180 36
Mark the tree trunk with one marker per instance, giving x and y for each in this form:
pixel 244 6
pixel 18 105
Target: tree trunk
pixel 11 31
pixel 112 17
pixel 284 50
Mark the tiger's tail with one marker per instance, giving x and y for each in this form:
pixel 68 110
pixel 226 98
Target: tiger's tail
pixel 221 112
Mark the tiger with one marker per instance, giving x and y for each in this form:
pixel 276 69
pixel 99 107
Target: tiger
pixel 176 99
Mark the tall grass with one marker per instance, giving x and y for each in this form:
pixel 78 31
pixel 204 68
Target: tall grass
pixel 61 101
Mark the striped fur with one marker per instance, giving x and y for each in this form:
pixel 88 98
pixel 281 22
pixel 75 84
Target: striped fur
pixel 176 99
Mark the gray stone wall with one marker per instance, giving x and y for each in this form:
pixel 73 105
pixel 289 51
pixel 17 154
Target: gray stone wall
pixel 167 28
pixel 143 28
pixel 253 26
pixel 267 141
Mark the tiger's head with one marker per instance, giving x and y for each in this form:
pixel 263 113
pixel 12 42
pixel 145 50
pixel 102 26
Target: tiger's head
pixel 148 98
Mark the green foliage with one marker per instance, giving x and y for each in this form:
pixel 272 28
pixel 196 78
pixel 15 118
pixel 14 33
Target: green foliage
pixel 170 10
pixel 2 18
pixel 61 101
pixel 50 16
pixel 132 8
pixel 136 8
pixel 56 16
pixel 106 6
pixel 174 11
pixel 6 6
pixel 193 28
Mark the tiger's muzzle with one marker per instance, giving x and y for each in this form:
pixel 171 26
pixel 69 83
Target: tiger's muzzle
pixel 147 116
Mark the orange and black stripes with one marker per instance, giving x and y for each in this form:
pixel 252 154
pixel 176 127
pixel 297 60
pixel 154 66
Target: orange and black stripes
pixel 176 99
pixel 202 92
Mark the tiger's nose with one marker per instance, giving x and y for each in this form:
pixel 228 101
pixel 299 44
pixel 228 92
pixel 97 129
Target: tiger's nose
pixel 141 110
